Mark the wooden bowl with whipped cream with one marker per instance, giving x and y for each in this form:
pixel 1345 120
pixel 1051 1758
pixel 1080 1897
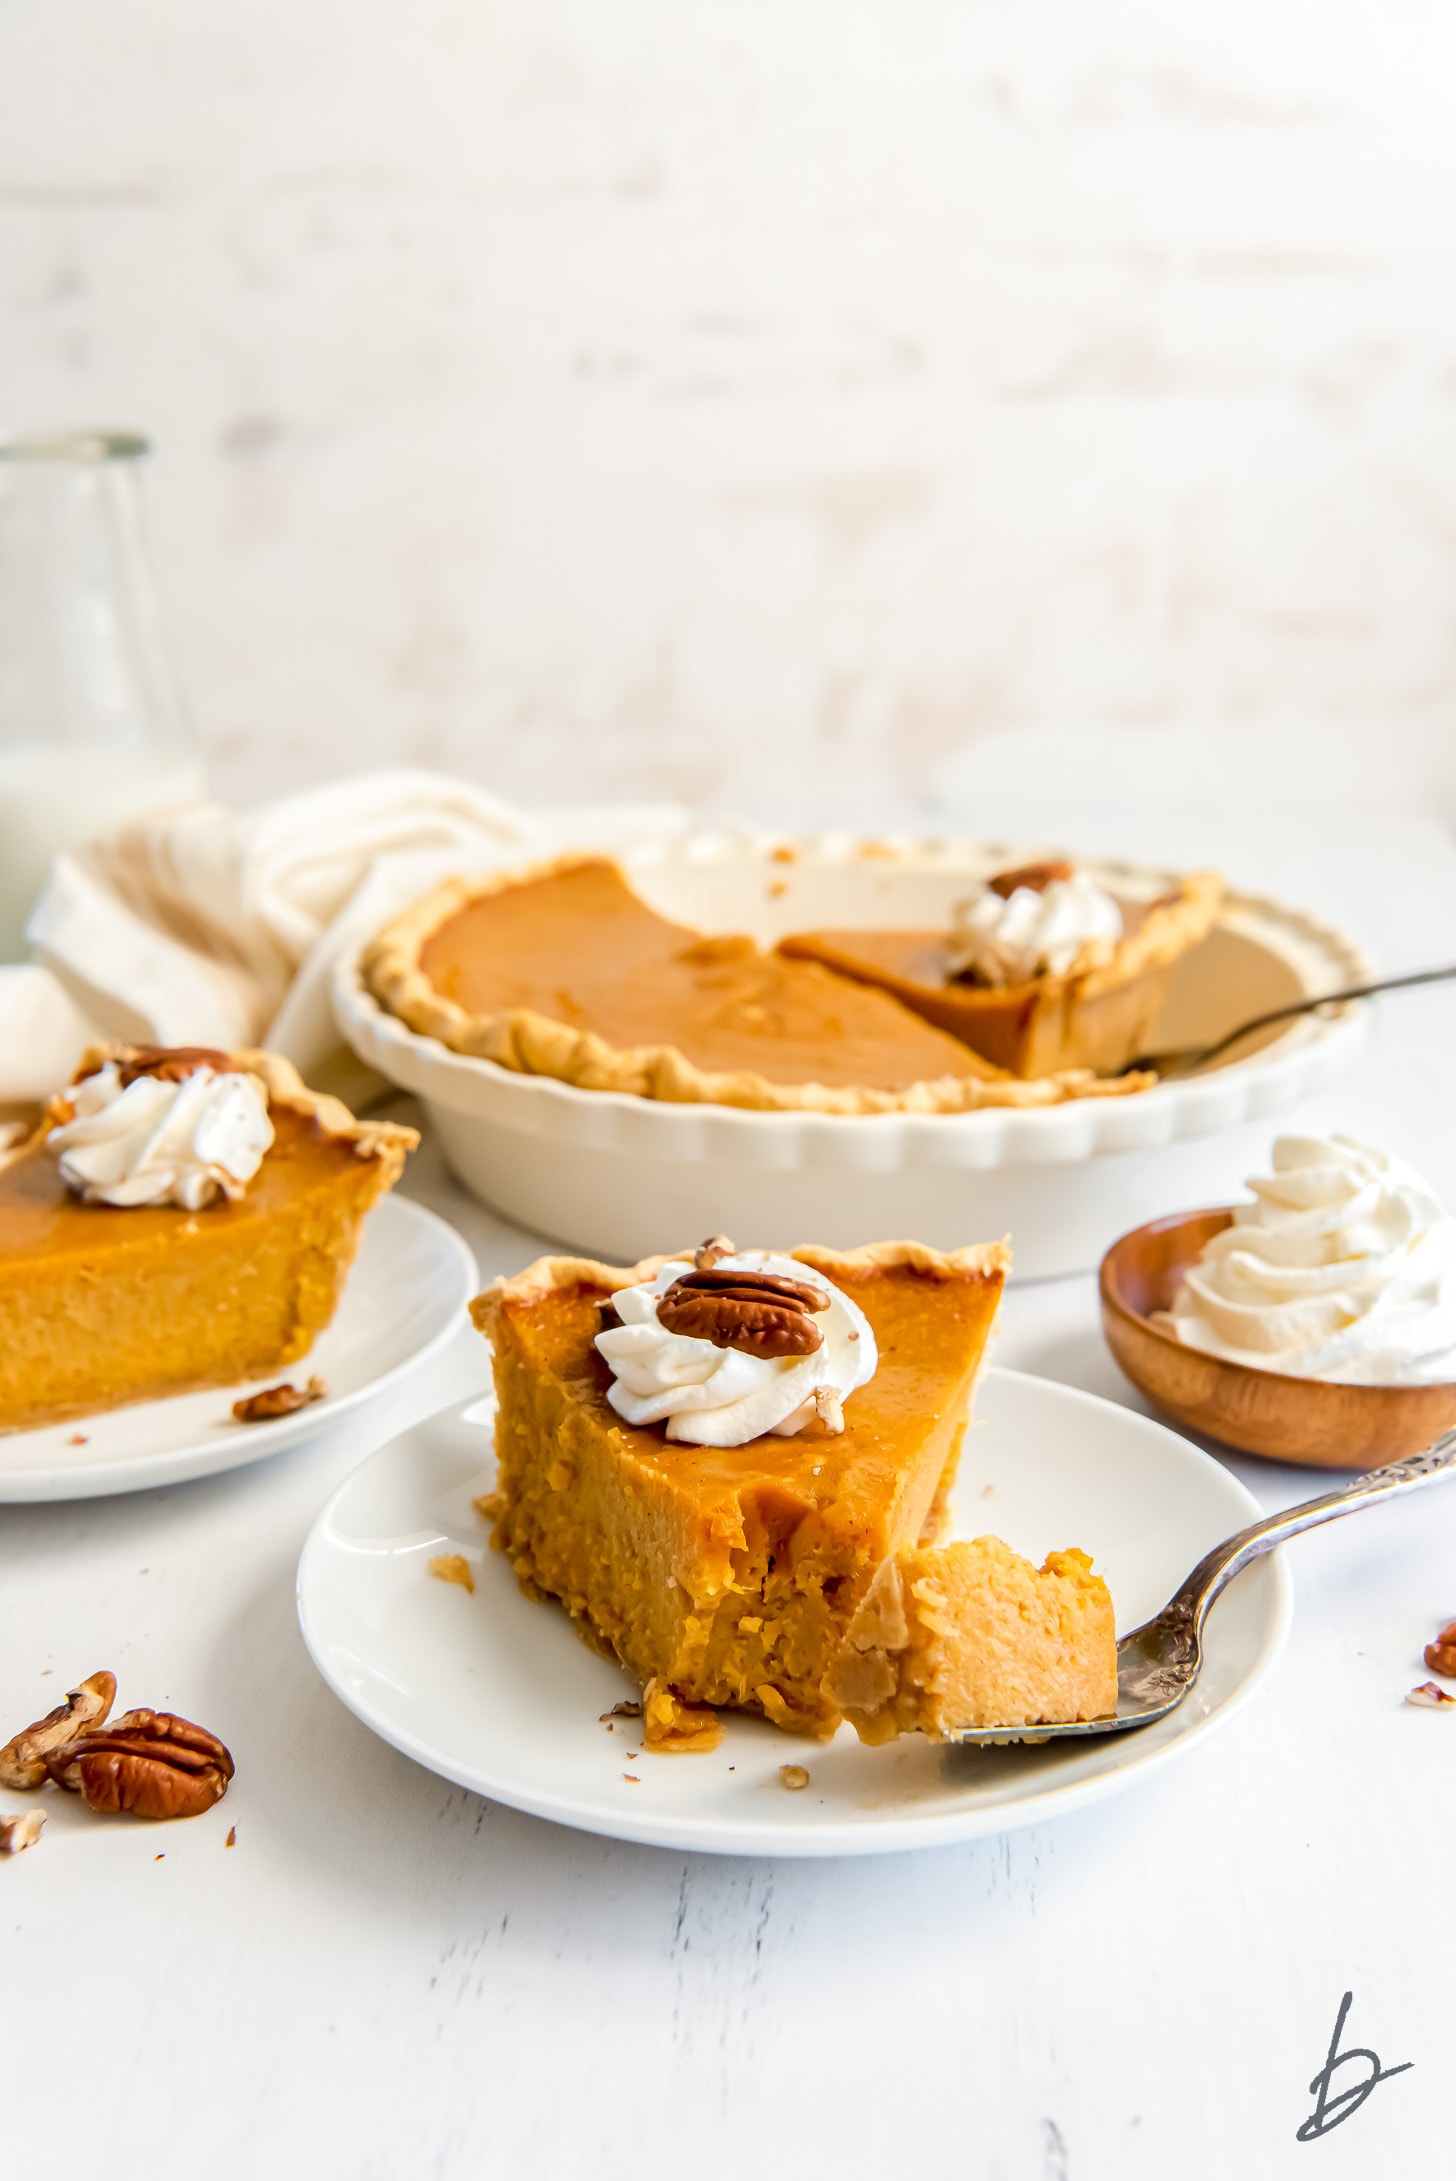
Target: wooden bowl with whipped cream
pixel 1316 1422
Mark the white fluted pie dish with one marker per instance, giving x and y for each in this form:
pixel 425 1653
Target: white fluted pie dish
pixel 613 1174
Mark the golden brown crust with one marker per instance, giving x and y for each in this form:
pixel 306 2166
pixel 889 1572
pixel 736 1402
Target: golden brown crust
pixel 529 1043
pixel 547 1275
pixel 386 1141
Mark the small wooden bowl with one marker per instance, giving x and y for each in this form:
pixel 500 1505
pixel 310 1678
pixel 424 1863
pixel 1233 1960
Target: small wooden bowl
pixel 1303 1420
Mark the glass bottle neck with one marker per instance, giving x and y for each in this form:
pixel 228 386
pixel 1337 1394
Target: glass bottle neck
pixel 83 663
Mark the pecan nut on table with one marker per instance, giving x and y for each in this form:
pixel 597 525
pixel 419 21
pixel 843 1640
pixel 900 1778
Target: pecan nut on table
pixel 150 1763
pixel 1441 1655
pixel 24 1759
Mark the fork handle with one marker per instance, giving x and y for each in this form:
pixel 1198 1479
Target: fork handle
pixel 1220 1566
pixel 1308 1005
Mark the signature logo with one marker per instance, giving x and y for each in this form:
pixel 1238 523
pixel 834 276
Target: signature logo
pixel 1330 2106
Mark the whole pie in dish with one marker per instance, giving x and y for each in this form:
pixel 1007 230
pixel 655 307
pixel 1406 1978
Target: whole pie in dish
pixel 711 1460
pixel 1044 971
pixel 565 971
pixel 135 1263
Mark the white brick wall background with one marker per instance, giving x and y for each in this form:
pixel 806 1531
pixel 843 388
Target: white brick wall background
pixel 832 409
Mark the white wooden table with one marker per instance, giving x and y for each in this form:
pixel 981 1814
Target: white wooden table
pixel 388 1977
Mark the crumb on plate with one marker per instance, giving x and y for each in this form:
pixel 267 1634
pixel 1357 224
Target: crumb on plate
pixel 452 1567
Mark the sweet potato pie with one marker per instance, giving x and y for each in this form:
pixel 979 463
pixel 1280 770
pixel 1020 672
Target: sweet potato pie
pixel 793 1575
pixel 106 1302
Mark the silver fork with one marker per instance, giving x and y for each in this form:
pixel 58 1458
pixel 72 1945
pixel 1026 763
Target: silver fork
pixel 1158 1663
pixel 1189 1058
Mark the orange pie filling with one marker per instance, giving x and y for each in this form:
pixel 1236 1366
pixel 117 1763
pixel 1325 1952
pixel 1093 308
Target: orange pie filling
pixel 579 947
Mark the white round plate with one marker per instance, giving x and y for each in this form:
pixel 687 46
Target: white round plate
pixel 404 1297
pixel 498 1693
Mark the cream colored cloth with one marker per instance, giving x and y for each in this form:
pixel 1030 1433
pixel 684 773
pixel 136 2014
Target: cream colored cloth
pixel 206 926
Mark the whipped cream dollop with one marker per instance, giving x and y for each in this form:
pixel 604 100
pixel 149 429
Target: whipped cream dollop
pixel 154 1142
pixel 1343 1268
pixel 1036 930
pixel 711 1396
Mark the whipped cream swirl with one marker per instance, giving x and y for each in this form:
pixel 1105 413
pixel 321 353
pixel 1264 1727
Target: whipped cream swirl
pixel 1034 931
pixel 1343 1268
pixel 153 1142
pixel 711 1396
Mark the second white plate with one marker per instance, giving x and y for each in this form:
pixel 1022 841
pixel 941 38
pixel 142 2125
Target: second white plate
pixel 496 1692
pixel 404 1297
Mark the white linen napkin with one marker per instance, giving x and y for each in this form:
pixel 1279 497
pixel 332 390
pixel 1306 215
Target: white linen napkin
pixel 207 926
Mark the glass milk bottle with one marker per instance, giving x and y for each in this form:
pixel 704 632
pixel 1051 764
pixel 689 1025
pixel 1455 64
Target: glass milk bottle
pixel 92 728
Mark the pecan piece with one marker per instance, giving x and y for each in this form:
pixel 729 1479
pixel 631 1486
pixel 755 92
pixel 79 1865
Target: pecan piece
pixel 760 1313
pixel 149 1762
pixel 19 1833
pixel 1035 877
pixel 1441 1655
pixel 25 1760
pixel 274 1401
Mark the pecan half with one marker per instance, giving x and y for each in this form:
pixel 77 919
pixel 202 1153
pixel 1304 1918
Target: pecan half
pixel 1035 877
pixel 760 1313
pixel 274 1401
pixel 149 1762
pixel 25 1759
pixel 173 1063
pixel 1441 1655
